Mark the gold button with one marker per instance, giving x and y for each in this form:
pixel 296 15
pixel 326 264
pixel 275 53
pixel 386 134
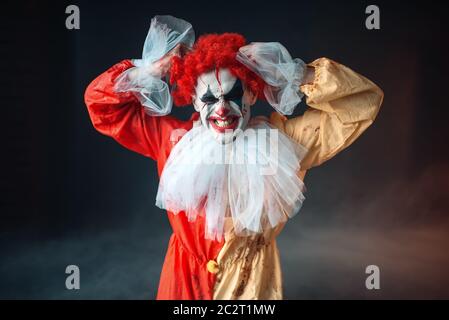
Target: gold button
pixel 212 266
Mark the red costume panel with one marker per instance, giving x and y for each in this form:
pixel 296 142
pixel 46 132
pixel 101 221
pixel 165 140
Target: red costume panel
pixel 122 117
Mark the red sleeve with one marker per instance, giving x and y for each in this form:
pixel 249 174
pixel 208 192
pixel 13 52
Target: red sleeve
pixel 121 116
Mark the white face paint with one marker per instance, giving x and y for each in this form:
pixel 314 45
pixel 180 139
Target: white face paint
pixel 223 103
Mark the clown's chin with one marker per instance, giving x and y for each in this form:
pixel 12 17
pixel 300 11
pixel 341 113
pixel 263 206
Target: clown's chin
pixel 223 125
pixel 225 131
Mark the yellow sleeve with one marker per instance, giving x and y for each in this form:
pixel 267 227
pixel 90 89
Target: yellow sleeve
pixel 342 104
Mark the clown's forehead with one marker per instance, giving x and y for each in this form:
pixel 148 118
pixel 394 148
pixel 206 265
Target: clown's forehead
pixel 219 82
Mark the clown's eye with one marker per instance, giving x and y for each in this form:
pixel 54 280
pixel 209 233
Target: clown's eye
pixel 209 97
pixel 236 93
pixel 209 100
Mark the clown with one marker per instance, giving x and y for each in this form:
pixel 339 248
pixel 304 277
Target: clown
pixel 228 181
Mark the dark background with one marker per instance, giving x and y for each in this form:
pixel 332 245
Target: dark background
pixel 72 196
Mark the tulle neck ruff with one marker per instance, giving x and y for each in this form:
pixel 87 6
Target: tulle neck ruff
pixel 253 180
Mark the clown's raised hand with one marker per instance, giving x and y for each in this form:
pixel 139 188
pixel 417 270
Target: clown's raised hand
pixel 282 74
pixel 167 37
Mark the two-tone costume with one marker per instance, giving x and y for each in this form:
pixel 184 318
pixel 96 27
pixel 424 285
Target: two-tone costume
pixel 229 182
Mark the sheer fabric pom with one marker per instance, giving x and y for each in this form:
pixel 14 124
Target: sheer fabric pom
pixel 144 80
pixel 272 62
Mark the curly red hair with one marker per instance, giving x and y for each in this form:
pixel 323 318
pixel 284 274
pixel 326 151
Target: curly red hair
pixel 211 51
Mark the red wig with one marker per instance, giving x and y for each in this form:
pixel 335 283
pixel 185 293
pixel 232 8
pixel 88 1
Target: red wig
pixel 211 51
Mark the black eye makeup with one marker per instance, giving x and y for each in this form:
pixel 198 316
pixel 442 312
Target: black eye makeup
pixel 209 97
pixel 236 93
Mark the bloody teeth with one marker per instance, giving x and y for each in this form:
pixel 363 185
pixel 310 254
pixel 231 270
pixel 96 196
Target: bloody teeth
pixel 224 123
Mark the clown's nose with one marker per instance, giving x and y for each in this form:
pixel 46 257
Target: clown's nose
pixel 222 111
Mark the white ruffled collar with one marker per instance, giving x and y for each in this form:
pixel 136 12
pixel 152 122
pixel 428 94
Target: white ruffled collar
pixel 253 180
